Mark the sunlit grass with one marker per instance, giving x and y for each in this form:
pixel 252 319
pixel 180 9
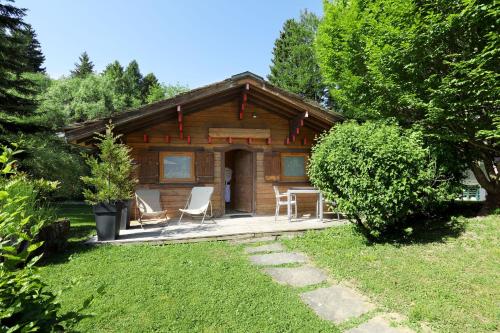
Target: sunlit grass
pixel 449 281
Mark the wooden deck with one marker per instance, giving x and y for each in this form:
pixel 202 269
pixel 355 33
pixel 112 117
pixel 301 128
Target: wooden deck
pixel 217 229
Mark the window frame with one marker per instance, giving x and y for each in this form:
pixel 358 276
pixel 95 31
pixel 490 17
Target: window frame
pixel 162 178
pixel 284 178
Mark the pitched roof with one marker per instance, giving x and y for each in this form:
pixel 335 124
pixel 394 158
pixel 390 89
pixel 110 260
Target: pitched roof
pixel 259 91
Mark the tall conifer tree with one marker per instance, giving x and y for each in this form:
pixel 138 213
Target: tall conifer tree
pixel 84 67
pixel 294 66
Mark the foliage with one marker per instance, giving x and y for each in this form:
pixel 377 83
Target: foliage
pixel 26 303
pixel 70 100
pixel 132 79
pixel 34 52
pixel 294 65
pixel 76 99
pixel 84 67
pixel 18 48
pixel 111 177
pixel 377 173
pixel 431 64
pixel 147 83
pixel 49 157
pixel 429 278
pixel 162 91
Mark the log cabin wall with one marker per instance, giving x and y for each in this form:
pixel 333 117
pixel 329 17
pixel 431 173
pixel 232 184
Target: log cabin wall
pixel 148 143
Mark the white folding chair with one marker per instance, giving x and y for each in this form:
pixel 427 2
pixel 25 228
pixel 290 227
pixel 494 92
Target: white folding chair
pixel 279 202
pixel 198 202
pixel 149 204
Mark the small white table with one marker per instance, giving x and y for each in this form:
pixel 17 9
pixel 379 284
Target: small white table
pixel 304 190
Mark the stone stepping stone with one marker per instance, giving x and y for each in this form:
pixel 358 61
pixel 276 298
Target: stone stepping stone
pixel 378 325
pixel 273 247
pixel 336 303
pixel 297 276
pixel 278 258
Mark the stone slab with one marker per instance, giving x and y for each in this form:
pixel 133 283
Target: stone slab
pixel 336 303
pixel 378 325
pixel 273 247
pixel 297 276
pixel 278 258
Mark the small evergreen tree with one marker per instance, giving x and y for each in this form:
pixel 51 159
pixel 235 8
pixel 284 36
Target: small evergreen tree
pixel 84 67
pixel 111 174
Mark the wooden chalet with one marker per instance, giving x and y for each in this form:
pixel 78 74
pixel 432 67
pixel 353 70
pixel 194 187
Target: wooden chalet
pixel 263 134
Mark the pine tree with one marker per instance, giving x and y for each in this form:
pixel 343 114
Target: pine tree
pixel 294 66
pixel 84 67
pixel 14 89
pixel 114 72
pixel 132 78
pixel 34 52
pixel 148 82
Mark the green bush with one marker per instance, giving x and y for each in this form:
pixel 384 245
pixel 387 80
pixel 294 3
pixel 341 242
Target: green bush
pixel 377 173
pixel 26 304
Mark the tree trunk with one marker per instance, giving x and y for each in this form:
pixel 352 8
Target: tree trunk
pixel 490 182
pixel 491 203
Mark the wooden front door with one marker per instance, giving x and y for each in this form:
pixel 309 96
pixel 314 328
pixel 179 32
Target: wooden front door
pixel 243 185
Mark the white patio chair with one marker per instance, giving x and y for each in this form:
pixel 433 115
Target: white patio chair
pixel 279 202
pixel 198 202
pixel 148 203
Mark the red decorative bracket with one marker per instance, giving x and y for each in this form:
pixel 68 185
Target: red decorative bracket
pixel 145 138
pixel 304 141
pixel 269 141
pixel 167 138
pixel 180 121
pixel 189 139
pixel 209 139
pixel 287 140
pixel 249 141
pixel 230 140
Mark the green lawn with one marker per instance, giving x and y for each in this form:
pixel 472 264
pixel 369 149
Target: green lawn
pixel 446 280
pixel 209 287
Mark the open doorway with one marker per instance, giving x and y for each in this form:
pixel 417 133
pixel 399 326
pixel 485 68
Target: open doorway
pixel 239 182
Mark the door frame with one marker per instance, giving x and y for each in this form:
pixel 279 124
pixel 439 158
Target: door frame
pixel 223 152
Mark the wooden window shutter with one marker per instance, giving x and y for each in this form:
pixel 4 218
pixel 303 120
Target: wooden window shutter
pixel 148 169
pixel 204 161
pixel 272 166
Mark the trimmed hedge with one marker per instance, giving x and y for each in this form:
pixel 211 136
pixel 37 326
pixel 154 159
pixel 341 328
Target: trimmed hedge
pixel 377 173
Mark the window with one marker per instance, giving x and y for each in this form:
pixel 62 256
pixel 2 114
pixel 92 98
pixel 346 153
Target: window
pixel 176 167
pixel 293 166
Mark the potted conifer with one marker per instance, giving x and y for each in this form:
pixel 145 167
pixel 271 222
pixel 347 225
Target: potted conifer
pixel 110 183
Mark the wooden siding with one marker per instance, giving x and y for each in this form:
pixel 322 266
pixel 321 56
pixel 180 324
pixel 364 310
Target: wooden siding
pixel 165 136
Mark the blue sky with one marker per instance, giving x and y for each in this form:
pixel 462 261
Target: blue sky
pixel 185 41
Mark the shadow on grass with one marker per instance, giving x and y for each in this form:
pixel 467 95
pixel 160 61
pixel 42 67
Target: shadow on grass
pixel 439 226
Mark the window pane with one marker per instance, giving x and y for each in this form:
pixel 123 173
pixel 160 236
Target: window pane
pixel 177 166
pixel 294 166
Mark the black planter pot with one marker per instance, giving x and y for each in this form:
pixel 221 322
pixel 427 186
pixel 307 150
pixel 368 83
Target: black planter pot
pixel 107 220
pixel 125 219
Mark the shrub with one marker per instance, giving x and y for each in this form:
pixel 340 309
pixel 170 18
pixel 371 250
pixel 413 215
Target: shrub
pixel 377 173
pixel 26 304
pixel 49 157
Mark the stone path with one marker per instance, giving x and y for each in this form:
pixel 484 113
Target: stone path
pixel 336 303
